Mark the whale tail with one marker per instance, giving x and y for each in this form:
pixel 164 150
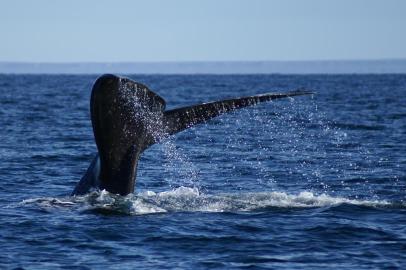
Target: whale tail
pixel 127 118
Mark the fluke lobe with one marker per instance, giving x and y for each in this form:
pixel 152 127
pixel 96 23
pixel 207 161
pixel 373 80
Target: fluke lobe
pixel 127 118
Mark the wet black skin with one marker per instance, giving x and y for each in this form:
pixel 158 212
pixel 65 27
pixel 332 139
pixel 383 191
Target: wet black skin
pixel 127 118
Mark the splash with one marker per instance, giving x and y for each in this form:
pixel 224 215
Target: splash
pixel 185 199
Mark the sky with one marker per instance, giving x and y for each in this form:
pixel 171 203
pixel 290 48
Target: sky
pixel 196 30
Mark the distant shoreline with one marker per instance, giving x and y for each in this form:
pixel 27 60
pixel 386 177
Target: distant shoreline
pixel 220 67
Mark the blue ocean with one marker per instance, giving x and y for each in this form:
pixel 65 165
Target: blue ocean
pixel 310 182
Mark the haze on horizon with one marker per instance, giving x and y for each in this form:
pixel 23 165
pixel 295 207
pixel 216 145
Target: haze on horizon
pixel 182 30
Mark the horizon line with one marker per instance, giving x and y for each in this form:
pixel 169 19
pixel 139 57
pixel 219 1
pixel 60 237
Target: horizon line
pixel 371 66
pixel 201 61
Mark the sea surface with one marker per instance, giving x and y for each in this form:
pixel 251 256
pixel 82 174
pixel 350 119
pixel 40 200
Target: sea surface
pixel 310 182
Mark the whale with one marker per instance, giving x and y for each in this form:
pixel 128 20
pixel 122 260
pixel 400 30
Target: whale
pixel 127 118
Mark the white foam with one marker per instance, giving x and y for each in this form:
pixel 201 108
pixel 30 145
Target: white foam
pixel 180 192
pixel 185 199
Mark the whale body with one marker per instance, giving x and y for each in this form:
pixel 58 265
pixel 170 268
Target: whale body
pixel 127 118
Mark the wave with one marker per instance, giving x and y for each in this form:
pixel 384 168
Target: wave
pixel 185 199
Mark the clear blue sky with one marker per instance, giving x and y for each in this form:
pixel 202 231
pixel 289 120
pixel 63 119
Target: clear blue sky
pixel 209 30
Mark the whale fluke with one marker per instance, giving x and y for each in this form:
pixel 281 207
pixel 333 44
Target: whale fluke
pixel 127 118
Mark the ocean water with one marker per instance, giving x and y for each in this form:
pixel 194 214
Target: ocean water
pixel 312 182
